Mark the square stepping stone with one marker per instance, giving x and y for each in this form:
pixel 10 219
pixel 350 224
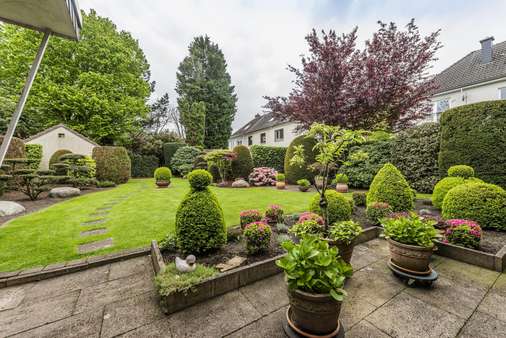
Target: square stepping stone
pixel 95 221
pixel 99 231
pixel 93 246
pixel 99 214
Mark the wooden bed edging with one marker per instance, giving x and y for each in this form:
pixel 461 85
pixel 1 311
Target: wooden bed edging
pixel 485 260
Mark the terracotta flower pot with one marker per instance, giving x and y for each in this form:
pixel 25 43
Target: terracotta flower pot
pixel 342 187
pixel 314 313
pixel 410 257
pixel 162 184
pixel 280 185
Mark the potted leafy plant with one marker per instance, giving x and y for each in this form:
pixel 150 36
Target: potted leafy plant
pixel 315 278
pixel 162 177
pixel 303 184
pixel 411 241
pixel 342 234
pixel 280 181
pixel 341 183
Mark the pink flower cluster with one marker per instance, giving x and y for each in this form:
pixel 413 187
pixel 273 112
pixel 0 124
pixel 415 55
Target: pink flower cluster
pixel 310 216
pixel 260 225
pixel 274 214
pixel 263 176
pixel 474 228
pixel 249 216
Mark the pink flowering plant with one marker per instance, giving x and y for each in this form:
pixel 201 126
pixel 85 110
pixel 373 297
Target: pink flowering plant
pixel 310 216
pixel 463 232
pixel 274 214
pixel 249 216
pixel 378 210
pixel 263 176
pixel 258 237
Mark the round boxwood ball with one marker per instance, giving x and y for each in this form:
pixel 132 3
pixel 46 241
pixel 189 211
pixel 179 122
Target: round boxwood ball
pixel 446 184
pixel 338 207
pixel 481 202
pixel 199 179
pixel 163 174
pixel 461 170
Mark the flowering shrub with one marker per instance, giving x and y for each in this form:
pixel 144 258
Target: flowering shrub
pixel 249 216
pixel 463 232
pixel 307 227
pixel 345 231
pixel 377 211
pixel 310 216
pixel 274 214
pixel 258 237
pixel 263 176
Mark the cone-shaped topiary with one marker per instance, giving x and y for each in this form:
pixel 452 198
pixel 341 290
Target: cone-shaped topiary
pixel 481 202
pixel 338 207
pixel 294 172
pixel 390 186
pixel 446 184
pixel 200 226
pixel 242 165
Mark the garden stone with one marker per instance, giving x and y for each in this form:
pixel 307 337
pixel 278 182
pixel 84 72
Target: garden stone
pixel 232 263
pixel 93 232
pixel 8 208
pixel 89 247
pixel 240 184
pixel 63 192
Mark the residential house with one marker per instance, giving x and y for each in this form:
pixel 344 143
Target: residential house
pixel 478 76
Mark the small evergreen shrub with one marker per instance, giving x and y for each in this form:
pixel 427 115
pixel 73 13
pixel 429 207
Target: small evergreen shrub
pixel 463 232
pixel 307 227
pixel 183 159
pixel 258 237
pixel 144 165
pixel 378 210
pixel 280 177
pixel 262 176
pixel 169 149
pixel 55 158
pixel 267 156
pixel 249 216
pixel 445 185
pixel 338 207
pixel 341 179
pixel 200 226
pixel 274 214
pixel 242 165
pixel 295 172
pixel 163 174
pixel 105 184
pixel 390 186
pixel 461 170
pixel 480 202
pixel 359 198
pixel 34 155
pixel 168 243
pixel 112 164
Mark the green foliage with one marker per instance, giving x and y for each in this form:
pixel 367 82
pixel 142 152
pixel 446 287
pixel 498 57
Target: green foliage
pixel 390 186
pixel 55 158
pixel 267 156
pixel 221 159
pixel 98 87
pixel 163 174
pixel 461 170
pixel 168 243
pixel 304 183
pixel 312 266
pixel 202 77
pixel 170 280
pixel 280 177
pixel 474 134
pixel 274 214
pixel 359 198
pixel 199 179
pixel 338 208
pixel 169 149
pixel 411 230
pixel 112 163
pixel 345 231
pixel 106 184
pixel 308 227
pixel 17 146
pixel 378 210
pixel 342 179
pixel 258 237
pixel 295 172
pixel 193 118
pixel 414 153
pixel 445 185
pixel 34 155
pixel 148 143
pixel 242 165
pixel 182 161
pixel 249 216
pixel 481 202
pixel 143 165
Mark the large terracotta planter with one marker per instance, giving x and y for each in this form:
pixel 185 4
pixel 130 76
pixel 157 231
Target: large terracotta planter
pixel 345 250
pixel 280 185
pixel 410 257
pixel 342 187
pixel 162 184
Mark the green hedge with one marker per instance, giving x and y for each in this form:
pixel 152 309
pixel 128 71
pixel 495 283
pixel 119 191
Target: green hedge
pixel 113 164
pixel 475 135
pixel 293 172
pixel 144 165
pixel 242 165
pixel 267 156
pixel 34 153
pixel 390 186
pixel 169 149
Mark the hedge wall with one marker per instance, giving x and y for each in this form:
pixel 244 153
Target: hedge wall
pixel 475 134
pixel 16 148
pixel 267 156
pixel 144 165
pixel 113 164
pixel 34 152
pixel 294 173
pixel 169 149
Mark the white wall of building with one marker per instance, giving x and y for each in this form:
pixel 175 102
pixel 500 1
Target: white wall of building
pixel 61 138
pixel 289 134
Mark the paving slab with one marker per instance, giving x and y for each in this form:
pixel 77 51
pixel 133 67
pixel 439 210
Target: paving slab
pixel 460 272
pixel 267 295
pixel 99 231
pixel 355 309
pixel 492 302
pixel 364 329
pixel 12 296
pixel 132 266
pixel 95 221
pixel 481 325
pixel 94 246
pixel 268 326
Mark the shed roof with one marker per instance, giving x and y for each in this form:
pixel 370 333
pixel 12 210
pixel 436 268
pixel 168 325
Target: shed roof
pixel 61 125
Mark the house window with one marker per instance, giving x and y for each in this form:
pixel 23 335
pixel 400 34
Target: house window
pixel 502 93
pixel 250 140
pixel 440 107
pixel 239 142
pixel 279 135
pixel 61 135
pixel 263 138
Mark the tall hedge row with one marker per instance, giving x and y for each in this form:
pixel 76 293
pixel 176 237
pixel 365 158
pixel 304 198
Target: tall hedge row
pixel 169 149
pixel 475 134
pixel 267 156
pixel 293 172
pixel 144 165
pixel 34 153
pixel 113 164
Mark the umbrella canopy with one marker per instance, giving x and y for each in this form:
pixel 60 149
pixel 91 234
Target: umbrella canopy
pixel 60 17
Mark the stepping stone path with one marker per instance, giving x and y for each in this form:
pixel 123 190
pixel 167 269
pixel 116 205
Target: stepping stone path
pixel 93 246
pixel 92 232
pixel 96 221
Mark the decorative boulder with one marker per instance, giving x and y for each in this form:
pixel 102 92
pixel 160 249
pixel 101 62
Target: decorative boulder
pixel 240 184
pixel 63 192
pixel 8 208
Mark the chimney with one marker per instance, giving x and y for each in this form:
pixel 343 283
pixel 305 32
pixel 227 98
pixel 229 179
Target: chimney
pixel 486 49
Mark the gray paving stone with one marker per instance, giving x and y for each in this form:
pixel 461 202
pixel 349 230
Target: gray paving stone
pixel 93 246
pixel 354 309
pixel 460 272
pixel 11 297
pixel 408 317
pixel 268 326
pixel 132 266
pixel 364 329
pixel 492 302
pixel 267 295
pixel 481 325
pixel 93 232
pixel 363 256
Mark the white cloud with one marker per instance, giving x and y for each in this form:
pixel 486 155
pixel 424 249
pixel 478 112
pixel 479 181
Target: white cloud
pixel 259 38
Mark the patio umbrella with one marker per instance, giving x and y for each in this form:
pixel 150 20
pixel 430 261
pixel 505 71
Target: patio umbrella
pixel 52 17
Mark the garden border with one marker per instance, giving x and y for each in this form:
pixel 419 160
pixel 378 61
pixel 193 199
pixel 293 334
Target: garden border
pixel 482 259
pixel 229 280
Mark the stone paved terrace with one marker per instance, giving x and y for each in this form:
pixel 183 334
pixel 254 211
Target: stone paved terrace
pixel 119 300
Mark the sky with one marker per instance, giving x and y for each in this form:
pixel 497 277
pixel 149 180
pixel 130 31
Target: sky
pixel 260 38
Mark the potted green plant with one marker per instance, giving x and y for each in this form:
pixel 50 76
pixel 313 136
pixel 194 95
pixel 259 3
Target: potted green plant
pixel 342 234
pixel 411 241
pixel 162 177
pixel 303 184
pixel 315 286
pixel 341 183
pixel 280 181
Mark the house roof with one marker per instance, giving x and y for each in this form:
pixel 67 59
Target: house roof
pixel 260 122
pixel 61 125
pixel 470 70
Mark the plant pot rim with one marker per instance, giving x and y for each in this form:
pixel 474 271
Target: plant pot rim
pixel 337 242
pixel 311 295
pixel 411 246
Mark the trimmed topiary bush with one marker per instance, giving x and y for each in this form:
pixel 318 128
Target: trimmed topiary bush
pixel 34 154
pixel 112 164
pixel 200 226
pixel 242 165
pixel 169 149
pixel 474 134
pixel 480 202
pixel 338 207
pixel 258 237
pixel 294 172
pixel 267 156
pixel 144 165
pixel 461 170
pixel 183 159
pixel 55 158
pixel 390 186
pixel 163 174
pixel 16 148
pixel 445 185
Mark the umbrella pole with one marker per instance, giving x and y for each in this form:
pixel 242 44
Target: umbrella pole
pixel 24 94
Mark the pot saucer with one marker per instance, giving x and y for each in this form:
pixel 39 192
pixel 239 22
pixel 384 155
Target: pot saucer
pixel 294 332
pixel 410 272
